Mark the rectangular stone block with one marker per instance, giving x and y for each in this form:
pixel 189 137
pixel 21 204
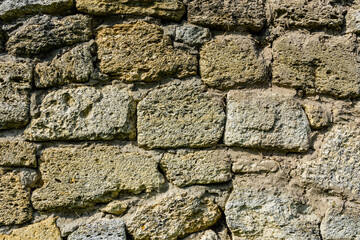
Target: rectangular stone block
pixel 17 154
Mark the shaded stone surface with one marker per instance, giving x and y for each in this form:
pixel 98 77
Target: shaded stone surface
pixel 166 9
pixel 317 63
pixel 82 176
pixel 169 116
pixel 17 153
pixel 43 33
pixel 192 35
pixel 227 15
pixel 84 113
pixel 232 61
pixel 140 52
pixel 265 119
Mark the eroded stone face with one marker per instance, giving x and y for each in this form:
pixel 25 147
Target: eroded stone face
pixel 265 119
pixel 169 116
pixel 232 61
pixel 318 116
pixel 166 9
pixel 204 235
pixel 140 52
pixel 84 113
pixel 317 63
pixel 17 153
pixel 76 177
pixel 227 15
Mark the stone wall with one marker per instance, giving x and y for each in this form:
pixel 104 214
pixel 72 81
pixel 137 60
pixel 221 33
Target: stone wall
pixel 169 119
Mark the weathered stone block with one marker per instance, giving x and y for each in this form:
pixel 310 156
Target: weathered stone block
pixel 74 66
pixel 140 52
pixel 15 206
pixel 317 63
pixel 10 9
pixel 353 21
pixel 44 33
pixel 180 114
pixel 166 9
pixel 204 235
pixel 196 167
pixel 76 177
pixel 192 35
pixel 84 113
pixel 232 61
pixel 17 153
pixel 228 15
pixel 15 83
pixel 318 116
pixel 116 207
pixel 265 119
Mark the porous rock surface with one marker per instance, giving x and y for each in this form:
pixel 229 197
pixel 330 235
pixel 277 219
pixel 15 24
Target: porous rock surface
pixel 17 153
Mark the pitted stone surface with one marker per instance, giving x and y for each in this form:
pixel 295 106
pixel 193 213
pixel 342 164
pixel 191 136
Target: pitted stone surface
pixel 43 33
pixel 318 116
pixel 232 61
pixel 192 35
pixel 180 114
pixel 196 167
pixel 82 176
pixel 140 52
pixel 265 119
pixel 17 153
pixel 353 21
pixel 74 66
pixel 166 9
pixel 84 113
pixel 204 235
pixel 15 207
pixel 227 15
pixel 317 63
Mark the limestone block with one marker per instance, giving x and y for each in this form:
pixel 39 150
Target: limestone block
pixel 317 63
pixel 318 116
pixel 353 21
pixel 180 114
pixel 84 113
pixel 266 119
pixel 76 177
pixel 140 52
pixel 231 61
pixel 227 15
pixel 204 235
pixel 165 9
pixel 43 33
pixel 116 207
pixel 192 35
pixel 17 153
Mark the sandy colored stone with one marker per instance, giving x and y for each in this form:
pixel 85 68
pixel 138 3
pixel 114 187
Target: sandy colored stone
pixel 84 113
pixel 317 63
pixel 266 119
pixel 82 176
pixel 10 9
pixel 74 66
pixel 43 33
pixel 44 230
pixel 15 83
pixel 166 9
pixel 116 207
pixel 318 116
pixel 228 15
pixel 180 114
pixel 173 215
pixel 204 235
pixel 15 207
pixel 231 61
pixel 185 168
pixel 353 20
pixel 17 153
pixel 140 52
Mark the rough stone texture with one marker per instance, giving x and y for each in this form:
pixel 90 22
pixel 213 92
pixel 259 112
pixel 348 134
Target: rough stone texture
pixel 173 215
pixel 353 21
pixel 169 116
pixel 105 229
pixel 318 116
pixel 116 207
pixel 307 14
pixel 166 9
pixel 228 15
pixel 140 52
pixel 185 168
pixel 43 33
pixel 204 235
pixel 80 177
pixel 15 83
pixel 265 119
pixel 16 8
pixel 74 66
pixel 84 113
pixel 232 61
pixel 192 35
pixel 44 230
pixel 17 153
pixel 15 207
pixel 317 63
